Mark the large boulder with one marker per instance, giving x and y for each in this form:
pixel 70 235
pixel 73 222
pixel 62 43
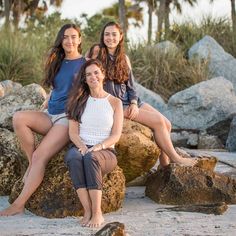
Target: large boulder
pixel 56 196
pixel 190 185
pixel 184 139
pixel 29 97
pixel 221 63
pixel 204 106
pixel 231 140
pixel 136 151
pixel 206 141
pixel 150 97
pixel 8 86
pixel 11 161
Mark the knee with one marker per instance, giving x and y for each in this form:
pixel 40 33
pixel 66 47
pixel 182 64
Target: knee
pixel 37 159
pixel 18 119
pixel 89 158
pixel 72 156
pixel 159 122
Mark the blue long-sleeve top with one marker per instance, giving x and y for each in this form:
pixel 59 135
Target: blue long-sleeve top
pixel 63 82
pixel 125 91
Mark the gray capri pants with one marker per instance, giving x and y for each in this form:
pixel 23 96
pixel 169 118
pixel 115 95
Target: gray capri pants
pixel 87 171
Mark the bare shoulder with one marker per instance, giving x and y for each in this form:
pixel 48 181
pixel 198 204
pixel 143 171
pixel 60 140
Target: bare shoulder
pixel 115 102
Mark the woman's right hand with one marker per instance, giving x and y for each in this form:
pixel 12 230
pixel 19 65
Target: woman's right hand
pixel 82 148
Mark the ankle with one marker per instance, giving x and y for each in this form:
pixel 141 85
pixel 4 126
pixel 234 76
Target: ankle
pixel 97 212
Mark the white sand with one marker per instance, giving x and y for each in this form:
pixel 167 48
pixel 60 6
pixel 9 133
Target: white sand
pixel 139 214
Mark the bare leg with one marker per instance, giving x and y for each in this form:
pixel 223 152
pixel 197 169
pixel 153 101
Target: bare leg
pixel 164 159
pixel 86 203
pixel 157 123
pixel 52 143
pixel 97 217
pixel 24 123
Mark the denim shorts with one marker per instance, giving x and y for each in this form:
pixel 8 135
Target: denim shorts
pixel 59 119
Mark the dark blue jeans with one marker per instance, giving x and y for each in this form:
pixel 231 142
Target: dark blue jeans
pixel 87 171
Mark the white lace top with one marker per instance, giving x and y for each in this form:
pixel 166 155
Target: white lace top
pixel 96 121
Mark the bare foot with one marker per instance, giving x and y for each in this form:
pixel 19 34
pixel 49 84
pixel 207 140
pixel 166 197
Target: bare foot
pixel 96 220
pixel 12 210
pixel 86 218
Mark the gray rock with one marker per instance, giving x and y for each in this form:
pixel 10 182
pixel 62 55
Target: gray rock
pixel 231 140
pixel 8 86
pixel 150 97
pixel 221 63
pixel 202 105
pixel 166 47
pixel 29 97
pixel 207 141
pixel 184 139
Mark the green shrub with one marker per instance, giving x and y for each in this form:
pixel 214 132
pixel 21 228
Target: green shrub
pixel 188 33
pixel 19 58
pixel 168 73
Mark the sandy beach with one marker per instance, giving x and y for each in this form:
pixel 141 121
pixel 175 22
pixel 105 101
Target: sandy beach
pixel 140 215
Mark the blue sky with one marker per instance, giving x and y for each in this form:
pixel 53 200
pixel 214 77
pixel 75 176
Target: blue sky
pixel 74 8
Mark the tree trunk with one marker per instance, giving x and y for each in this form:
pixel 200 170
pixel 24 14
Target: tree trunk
pixel 16 12
pixel 167 19
pixel 150 10
pixel 122 15
pixel 160 19
pixel 233 16
pixel 7 9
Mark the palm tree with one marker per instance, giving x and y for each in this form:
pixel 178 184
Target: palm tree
pixel 233 16
pixel 21 7
pixel 164 12
pixel 122 15
pixel 132 11
pixel 151 4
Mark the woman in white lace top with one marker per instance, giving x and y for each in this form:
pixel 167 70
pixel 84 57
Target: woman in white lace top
pixel 95 125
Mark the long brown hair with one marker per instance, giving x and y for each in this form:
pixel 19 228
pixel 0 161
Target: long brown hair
pixel 117 68
pixel 79 93
pixel 56 55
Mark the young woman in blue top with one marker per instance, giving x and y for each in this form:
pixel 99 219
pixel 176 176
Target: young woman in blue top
pixel 63 62
pixel 120 83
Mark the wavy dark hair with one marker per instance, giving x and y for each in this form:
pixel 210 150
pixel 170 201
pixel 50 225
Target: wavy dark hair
pixel 117 68
pixel 90 53
pixel 79 93
pixel 56 55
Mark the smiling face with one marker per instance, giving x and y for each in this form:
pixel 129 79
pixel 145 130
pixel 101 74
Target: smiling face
pixel 71 41
pixel 94 76
pixel 112 37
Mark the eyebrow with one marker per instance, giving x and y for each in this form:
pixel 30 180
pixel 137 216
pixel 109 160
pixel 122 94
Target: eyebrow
pixel 70 35
pixel 110 32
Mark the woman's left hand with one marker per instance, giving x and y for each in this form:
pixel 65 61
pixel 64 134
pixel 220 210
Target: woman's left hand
pixel 133 111
pixel 97 147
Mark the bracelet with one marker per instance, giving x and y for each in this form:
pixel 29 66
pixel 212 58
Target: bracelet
pixel 134 102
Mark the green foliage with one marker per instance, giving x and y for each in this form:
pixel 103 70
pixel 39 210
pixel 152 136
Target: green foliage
pixel 187 34
pixel 17 59
pixel 22 53
pixel 93 28
pixel 44 31
pixel 165 73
